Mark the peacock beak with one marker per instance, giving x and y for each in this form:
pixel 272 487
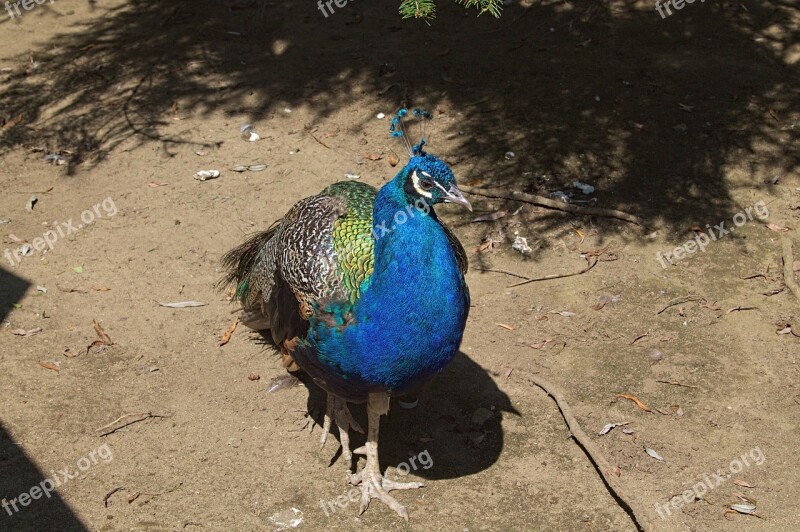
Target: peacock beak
pixel 455 196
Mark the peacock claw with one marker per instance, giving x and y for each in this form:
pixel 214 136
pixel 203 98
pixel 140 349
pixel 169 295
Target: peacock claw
pixel 373 484
pixel 337 411
pixel 377 486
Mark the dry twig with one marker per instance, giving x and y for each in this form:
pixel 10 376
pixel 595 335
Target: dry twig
pixel 143 416
pixel 679 300
pixel 676 383
pixel 788 274
pixel 552 204
pixel 629 502
pixel 313 136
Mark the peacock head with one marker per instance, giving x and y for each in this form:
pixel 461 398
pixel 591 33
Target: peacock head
pixel 425 178
pixel 430 180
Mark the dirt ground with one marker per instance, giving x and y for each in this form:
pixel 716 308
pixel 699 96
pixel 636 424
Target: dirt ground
pixel 685 121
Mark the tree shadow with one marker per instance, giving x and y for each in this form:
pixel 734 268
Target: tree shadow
pixel 12 290
pixel 19 474
pixel 651 111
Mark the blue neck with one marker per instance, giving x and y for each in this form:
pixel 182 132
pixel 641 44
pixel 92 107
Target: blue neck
pixel 404 232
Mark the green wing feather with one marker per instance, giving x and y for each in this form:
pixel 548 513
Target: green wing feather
pixel 352 234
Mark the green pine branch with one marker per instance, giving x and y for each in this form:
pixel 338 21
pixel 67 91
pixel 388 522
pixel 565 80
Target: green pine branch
pixel 426 9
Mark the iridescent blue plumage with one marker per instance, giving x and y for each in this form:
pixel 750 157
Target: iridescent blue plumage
pixel 407 324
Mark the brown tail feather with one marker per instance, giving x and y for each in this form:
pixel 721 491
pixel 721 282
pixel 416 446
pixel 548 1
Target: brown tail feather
pixel 239 261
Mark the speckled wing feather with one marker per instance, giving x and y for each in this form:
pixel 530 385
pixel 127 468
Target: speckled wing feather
pixel 322 250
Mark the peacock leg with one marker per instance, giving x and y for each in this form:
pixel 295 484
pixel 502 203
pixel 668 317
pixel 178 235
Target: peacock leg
pixel 337 411
pixel 373 484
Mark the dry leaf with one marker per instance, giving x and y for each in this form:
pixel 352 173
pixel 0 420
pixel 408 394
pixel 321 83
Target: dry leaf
pixel 653 454
pixel 504 326
pixel 743 508
pixel 153 184
pixel 99 344
pixel 539 345
pixel 226 336
pixel 487 243
pixel 253 377
pixel 743 484
pixel 778 228
pixel 101 333
pixel 373 156
pixel 611 426
pixel 103 342
pixel 635 399
pixel 100 289
pixel 26 334
pixel 183 304
pixel 48 365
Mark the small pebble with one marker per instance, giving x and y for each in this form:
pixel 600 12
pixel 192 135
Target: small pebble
pixel 655 356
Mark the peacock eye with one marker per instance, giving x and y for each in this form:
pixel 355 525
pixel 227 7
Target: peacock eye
pixel 426 184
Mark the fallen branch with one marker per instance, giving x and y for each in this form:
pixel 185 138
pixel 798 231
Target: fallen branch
pixel 550 277
pixel 629 503
pixel 143 416
pixel 552 204
pixel 788 273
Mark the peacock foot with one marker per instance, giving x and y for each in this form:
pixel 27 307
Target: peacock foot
pixel 339 412
pixel 376 486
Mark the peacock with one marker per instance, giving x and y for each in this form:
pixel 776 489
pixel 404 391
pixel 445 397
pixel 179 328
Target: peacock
pixel 365 291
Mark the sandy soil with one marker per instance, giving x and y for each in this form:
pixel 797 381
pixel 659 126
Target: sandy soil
pixel 683 121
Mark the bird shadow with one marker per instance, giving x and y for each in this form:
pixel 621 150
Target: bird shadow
pixel 454 431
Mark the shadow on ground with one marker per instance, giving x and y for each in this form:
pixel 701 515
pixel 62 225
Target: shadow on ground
pixel 458 441
pixel 18 473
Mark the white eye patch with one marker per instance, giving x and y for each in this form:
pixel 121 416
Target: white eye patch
pixel 417 187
